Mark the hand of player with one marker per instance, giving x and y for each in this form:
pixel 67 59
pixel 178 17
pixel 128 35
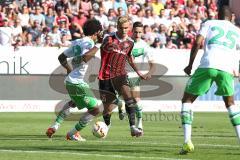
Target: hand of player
pixel 100 36
pixel 188 70
pixel 143 76
pixel 148 76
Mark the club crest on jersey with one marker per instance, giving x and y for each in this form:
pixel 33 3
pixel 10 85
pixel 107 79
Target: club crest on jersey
pixel 111 47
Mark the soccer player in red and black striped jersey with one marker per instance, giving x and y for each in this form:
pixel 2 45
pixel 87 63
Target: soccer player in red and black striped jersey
pixel 115 52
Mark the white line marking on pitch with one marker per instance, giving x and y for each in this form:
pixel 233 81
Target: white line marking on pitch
pixel 85 154
pixel 146 142
pixel 155 143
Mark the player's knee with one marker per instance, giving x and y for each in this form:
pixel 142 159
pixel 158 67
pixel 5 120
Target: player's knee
pixel 131 102
pixel 107 111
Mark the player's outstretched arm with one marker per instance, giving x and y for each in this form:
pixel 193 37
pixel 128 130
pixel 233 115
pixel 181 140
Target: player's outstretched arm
pixel 152 69
pixel 62 58
pixel 133 65
pixel 194 51
pixel 91 53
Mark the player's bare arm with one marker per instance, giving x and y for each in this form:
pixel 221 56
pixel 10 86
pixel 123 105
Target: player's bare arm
pixel 194 51
pixel 133 65
pixel 62 58
pixel 91 53
pixel 152 69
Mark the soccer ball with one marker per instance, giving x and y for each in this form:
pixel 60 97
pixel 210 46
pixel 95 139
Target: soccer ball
pixel 100 129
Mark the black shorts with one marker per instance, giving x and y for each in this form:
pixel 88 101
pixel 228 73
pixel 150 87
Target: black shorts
pixel 110 88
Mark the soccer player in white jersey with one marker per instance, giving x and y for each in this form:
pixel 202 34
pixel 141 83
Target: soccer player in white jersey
pixel 142 54
pixel 221 39
pixel 82 50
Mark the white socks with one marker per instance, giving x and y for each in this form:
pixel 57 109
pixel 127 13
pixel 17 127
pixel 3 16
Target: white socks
pixel 187 118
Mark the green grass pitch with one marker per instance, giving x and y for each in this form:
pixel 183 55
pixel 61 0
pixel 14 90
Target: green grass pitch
pixel 22 136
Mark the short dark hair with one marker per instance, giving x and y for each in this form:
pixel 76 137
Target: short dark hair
pixel 137 24
pixel 91 27
pixel 224 13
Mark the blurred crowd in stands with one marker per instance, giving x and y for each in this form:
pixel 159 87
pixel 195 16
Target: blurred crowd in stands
pixel 169 24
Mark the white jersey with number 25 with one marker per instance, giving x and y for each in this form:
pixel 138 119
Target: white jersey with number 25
pixel 222 39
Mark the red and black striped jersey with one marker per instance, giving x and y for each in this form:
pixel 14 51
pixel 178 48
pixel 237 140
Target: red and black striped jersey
pixel 114 54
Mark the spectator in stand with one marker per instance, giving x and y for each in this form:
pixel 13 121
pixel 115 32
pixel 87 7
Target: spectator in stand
pixel 24 17
pixel 18 4
pixel 181 45
pixel 16 29
pixel 10 14
pixel 174 33
pixel 79 19
pixel 35 30
pixel 162 18
pixel 211 14
pixel 135 6
pixel 182 21
pixel 48 42
pixel 190 9
pixel 163 34
pixel 117 4
pixel 212 5
pixel 112 19
pixel 6 33
pixel 18 43
pixel 62 4
pixel 1 20
pixel 197 21
pixel 171 45
pixel 37 16
pixel 64 41
pixel 91 14
pixel 171 19
pixel 168 9
pixel 202 9
pixel 44 34
pixel 107 4
pixel 139 17
pixel 60 17
pixel 47 4
pixel 120 12
pixel 38 42
pixel 55 35
pixel 86 6
pixel 49 18
pixel 102 18
pixel 75 31
pixel 157 6
pixel 233 19
pixel 181 3
pixel 74 6
pixel 148 5
pixel 148 34
pixel 32 3
pixel 177 7
pixel 64 30
pixel 189 36
pixel 111 29
pixel 28 40
pixel 148 19
pixel 157 44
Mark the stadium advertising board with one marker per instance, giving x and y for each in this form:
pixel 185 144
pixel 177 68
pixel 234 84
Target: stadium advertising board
pixel 32 80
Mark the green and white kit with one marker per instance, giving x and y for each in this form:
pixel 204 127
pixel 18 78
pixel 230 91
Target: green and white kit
pixel 78 90
pixel 219 59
